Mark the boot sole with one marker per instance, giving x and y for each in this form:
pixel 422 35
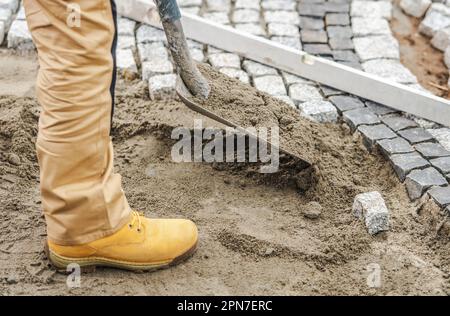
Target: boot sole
pixel 90 264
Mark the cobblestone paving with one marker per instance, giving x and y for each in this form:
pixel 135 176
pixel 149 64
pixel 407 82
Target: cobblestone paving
pixel 355 33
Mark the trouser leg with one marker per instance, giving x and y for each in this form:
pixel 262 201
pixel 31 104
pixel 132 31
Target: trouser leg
pixel 82 197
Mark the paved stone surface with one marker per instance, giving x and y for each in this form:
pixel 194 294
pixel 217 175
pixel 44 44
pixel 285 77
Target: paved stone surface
pixel 404 163
pixel 418 181
pixel 339 31
pixel 357 117
pixel 415 8
pixel 344 103
pixel 432 150
pixel 126 42
pixel 218 5
pixel 441 195
pixel 372 209
pixel 161 84
pixel 125 26
pixel 6 16
pixel 398 123
pixel 338 43
pixel 151 51
pixel 149 34
pixel 312 9
pixel 329 92
pixel 272 85
pixel 290 79
pixel 300 92
pixel 416 135
pixel 369 26
pixel 437 17
pixel 345 55
pixel 374 47
pixel 277 4
pixel 441 40
pixel 442 135
pixel 371 9
pixel 373 133
pixel 156 66
pixel 389 69
pixel 256 69
pixel 218 17
pixel 225 60
pixel 13 5
pixel 247 4
pixel 394 146
pixel 319 111
pixel 286 100
pixel 442 164
pixel 235 73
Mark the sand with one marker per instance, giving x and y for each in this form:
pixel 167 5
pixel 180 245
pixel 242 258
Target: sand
pixel 417 54
pixel 258 234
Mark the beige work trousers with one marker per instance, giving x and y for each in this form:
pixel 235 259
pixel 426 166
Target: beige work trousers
pixel 81 195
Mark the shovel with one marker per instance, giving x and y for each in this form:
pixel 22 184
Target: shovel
pixel 190 82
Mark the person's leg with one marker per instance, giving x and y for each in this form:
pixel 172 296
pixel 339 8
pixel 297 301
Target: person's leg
pixel 82 197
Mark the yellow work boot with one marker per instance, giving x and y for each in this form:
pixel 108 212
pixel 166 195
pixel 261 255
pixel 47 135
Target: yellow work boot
pixel 143 244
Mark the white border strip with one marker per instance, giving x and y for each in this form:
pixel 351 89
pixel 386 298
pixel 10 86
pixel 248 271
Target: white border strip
pixel 324 71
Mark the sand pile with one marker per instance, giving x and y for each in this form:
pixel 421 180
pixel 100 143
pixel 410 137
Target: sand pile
pixel 261 229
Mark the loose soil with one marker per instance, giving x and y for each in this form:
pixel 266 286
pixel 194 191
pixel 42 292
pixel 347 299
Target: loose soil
pixel 258 235
pixel 417 54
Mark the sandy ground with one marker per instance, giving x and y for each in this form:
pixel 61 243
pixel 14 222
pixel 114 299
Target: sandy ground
pixel 256 234
pixel 417 54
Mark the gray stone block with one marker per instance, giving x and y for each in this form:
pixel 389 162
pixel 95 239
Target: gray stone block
pixel 398 123
pixel 328 91
pixel 415 8
pixel 337 19
pixel 344 103
pixel 252 28
pixel 319 111
pixel 156 66
pixel 418 181
pixel 218 17
pixel 432 150
pixel 126 42
pixel 152 51
pixel 442 164
pixel 441 40
pixel 218 5
pixel 148 34
pixel 390 69
pixel 307 23
pixel 403 164
pixel 373 133
pixel 370 26
pixel 336 7
pixel 394 146
pixel 125 26
pixel 304 92
pixel 339 32
pixel 12 5
pixel 376 47
pixel 379 109
pixel 337 43
pixel 293 42
pixel 189 3
pixel 6 16
pixel 290 79
pixel 245 16
pixel 281 29
pixel 225 60
pixel 19 37
pixel 371 9
pixel 437 18
pixel 288 17
pixel 357 117
pixel 318 49
pixel 2 32
pixel 314 36
pixel 442 135
pixel 371 208
pixel 312 9
pixel 345 55
pixel 441 195
pixel 270 5
pixel 126 63
pixel 272 85
pixel 161 85
pixel 255 69
pixel 416 135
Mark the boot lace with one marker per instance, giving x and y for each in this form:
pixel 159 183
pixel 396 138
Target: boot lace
pixel 136 218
